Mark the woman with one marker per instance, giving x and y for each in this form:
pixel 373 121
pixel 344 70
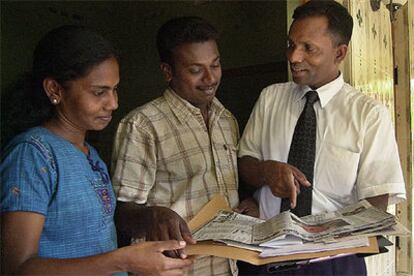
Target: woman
pixel 57 201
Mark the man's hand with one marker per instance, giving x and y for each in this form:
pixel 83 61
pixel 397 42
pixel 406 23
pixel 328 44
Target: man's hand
pixel 381 201
pixel 164 224
pixel 248 207
pixel 284 180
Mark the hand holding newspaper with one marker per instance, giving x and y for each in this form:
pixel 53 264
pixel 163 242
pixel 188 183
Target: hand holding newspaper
pixel 349 226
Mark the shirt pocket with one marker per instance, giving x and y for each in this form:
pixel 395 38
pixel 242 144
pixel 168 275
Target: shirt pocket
pixel 226 155
pixel 336 172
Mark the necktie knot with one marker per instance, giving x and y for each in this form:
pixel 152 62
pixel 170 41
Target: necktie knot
pixel 311 97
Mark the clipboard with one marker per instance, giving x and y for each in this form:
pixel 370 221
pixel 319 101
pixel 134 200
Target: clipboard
pixel 221 250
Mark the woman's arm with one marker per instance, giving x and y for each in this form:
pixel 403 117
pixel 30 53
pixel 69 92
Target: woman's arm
pixel 20 237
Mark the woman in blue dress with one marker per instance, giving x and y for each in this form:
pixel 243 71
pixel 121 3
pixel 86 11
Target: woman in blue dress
pixel 57 202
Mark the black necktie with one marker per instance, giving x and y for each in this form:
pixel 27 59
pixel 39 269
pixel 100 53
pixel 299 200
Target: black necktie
pixel 302 155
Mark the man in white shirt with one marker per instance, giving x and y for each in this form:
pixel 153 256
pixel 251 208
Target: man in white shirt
pixel 355 152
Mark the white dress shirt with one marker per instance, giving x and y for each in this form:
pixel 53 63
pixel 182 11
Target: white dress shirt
pixel 356 152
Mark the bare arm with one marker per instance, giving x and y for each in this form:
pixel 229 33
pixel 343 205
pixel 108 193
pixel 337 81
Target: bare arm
pixel 381 201
pixel 251 171
pixel 154 223
pixel 20 238
pixel 129 222
pixel 283 179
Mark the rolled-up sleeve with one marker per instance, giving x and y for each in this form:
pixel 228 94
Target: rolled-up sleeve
pixel 379 168
pixel 250 142
pixel 133 161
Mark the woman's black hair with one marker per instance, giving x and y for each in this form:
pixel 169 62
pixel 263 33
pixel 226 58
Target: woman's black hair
pixel 64 54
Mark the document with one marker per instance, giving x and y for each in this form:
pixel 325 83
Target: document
pixel 250 252
pixel 288 234
pixel 315 247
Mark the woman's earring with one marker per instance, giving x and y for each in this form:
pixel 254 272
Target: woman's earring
pixel 54 101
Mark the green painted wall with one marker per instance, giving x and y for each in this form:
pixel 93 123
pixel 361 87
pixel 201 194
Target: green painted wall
pixel 252 44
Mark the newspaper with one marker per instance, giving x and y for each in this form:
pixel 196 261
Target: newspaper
pixel 314 247
pixel 325 227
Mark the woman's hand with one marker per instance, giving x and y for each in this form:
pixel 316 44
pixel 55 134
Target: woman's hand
pixel 148 258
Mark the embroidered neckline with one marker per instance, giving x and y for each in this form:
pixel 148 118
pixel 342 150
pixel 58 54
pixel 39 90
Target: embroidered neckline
pixel 96 167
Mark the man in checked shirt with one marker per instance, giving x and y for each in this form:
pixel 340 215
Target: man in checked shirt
pixel 173 154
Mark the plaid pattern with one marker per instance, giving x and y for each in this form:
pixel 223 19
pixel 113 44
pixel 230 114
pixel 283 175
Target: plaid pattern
pixel 164 155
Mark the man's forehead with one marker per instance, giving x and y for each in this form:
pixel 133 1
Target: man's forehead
pixel 197 52
pixel 309 26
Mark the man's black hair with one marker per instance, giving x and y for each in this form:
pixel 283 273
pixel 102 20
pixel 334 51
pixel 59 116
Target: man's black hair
pixel 340 22
pixel 181 30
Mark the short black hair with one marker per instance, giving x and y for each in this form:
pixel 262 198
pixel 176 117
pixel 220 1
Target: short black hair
pixel 182 30
pixel 340 22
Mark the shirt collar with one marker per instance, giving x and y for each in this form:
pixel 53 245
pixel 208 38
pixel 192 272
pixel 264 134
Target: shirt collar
pixel 325 92
pixel 183 109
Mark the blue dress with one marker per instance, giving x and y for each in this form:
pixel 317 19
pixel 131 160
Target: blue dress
pixel 45 174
